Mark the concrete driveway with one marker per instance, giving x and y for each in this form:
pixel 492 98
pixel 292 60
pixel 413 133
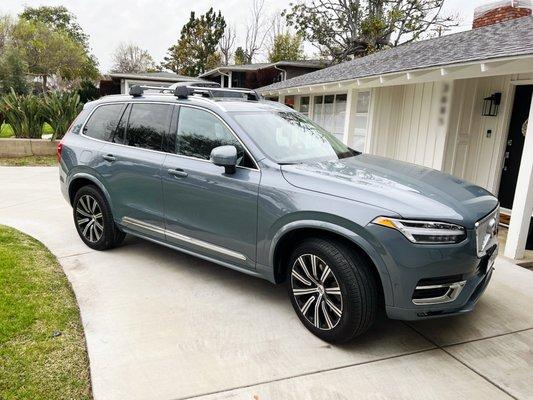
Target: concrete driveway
pixel 163 325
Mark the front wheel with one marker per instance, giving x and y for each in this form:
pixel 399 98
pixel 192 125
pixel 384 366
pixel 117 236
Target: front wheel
pixel 332 290
pixel 94 221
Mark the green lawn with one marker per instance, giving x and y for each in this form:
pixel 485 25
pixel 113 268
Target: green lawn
pixel 6 131
pixel 42 345
pixel 31 161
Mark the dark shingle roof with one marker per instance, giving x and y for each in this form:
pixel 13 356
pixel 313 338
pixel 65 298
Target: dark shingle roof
pixel 258 66
pixel 507 39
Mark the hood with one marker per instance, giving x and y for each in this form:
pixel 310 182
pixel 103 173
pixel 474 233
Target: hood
pixel 406 189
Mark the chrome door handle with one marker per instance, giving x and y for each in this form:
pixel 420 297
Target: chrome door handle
pixel 178 173
pixel 109 157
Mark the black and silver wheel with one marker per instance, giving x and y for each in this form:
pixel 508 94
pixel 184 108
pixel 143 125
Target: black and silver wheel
pixel 332 290
pixel 89 218
pixel 94 221
pixel 316 291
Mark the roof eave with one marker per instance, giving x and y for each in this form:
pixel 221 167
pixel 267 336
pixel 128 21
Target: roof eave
pixel 470 69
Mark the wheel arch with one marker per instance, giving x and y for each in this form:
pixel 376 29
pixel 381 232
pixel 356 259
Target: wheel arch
pixel 297 231
pixel 81 179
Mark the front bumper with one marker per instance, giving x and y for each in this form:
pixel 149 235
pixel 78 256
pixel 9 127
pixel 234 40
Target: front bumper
pixel 432 267
pixel 471 292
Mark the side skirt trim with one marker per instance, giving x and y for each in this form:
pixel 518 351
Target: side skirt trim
pixel 182 238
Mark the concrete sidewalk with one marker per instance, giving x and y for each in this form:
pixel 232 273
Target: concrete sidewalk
pixel 162 325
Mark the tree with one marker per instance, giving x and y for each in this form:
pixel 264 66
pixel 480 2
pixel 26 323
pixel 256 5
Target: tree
pixel 13 71
pixel 344 29
pixel 130 58
pixel 240 56
pixel 226 44
pixel 49 52
pixel 213 61
pixel 286 47
pixel 199 39
pixel 255 31
pixel 60 19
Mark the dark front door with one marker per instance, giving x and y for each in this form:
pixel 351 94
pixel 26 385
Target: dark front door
pixel 515 145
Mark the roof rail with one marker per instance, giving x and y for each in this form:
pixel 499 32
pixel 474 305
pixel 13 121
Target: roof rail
pixel 182 92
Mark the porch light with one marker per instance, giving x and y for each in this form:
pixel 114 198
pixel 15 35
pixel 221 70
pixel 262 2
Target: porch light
pixel 491 105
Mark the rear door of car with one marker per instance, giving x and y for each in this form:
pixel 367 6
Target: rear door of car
pixel 208 211
pixel 131 166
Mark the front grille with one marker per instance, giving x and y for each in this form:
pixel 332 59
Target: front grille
pixel 486 230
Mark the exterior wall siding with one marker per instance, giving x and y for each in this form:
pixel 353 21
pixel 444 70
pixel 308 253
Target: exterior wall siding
pixel 409 122
pixel 475 142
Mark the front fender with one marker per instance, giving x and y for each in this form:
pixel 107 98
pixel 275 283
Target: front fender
pixel 349 234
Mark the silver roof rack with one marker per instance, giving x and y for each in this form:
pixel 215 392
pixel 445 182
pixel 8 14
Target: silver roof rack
pixel 182 92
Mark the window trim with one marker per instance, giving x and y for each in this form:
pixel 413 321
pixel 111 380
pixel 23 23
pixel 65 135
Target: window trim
pixel 227 127
pixel 121 114
pixel 177 106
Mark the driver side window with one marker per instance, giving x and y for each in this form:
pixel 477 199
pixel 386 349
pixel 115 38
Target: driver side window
pixel 199 132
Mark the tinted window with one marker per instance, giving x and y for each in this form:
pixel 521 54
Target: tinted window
pixel 120 132
pixel 199 132
pixel 103 121
pixel 148 124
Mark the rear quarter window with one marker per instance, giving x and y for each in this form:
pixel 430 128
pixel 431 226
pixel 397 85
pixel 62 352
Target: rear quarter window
pixel 103 121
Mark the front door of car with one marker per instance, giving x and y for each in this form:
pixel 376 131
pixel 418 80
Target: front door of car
pixel 131 167
pixel 208 211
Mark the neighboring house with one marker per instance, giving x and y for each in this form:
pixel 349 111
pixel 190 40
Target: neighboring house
pixel 120 83
pixel 252 76
pixel 458 103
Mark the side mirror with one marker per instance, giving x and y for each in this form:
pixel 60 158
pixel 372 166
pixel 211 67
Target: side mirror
pixel 225 156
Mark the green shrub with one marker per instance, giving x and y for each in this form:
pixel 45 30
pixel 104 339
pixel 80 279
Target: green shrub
pixel 60 109
pixel 31 116
pixel 24 113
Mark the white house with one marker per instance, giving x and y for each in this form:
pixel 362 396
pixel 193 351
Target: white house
pixel 458 103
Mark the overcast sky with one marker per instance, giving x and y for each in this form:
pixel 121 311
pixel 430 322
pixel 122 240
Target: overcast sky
pixel 155 24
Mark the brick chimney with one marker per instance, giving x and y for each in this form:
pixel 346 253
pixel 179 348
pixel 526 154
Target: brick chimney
pixel 500 11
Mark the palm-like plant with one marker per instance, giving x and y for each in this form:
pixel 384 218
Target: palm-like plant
pixel 60 109
pixel 24 113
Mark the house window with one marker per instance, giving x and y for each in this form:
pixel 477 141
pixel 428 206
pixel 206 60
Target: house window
pixel 329 112
pixel 304 105
pixel 361 121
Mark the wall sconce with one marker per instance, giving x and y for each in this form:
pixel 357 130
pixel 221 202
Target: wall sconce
pixel 491 105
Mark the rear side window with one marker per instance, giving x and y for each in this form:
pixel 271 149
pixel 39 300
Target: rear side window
pixel 148 124
pixel 103 121
pixel 199 132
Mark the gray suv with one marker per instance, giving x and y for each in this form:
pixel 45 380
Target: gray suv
pixel 259 188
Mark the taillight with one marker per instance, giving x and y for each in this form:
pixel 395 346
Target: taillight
pixel 59 149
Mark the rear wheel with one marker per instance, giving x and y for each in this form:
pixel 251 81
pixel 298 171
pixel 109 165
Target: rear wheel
pixel 94 221
pixel 332 290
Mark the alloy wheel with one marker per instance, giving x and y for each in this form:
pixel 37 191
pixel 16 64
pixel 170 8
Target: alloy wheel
pixel 316 291
pixel 89 218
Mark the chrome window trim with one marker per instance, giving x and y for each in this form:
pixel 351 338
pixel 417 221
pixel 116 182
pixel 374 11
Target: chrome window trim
pixel 183 238
pixel 230 130
pixel 163 152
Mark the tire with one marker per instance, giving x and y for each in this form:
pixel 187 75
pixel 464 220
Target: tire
pixel 94 221
pixel 351 309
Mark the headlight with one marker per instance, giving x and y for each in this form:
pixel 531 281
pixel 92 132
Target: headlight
pixel 425 232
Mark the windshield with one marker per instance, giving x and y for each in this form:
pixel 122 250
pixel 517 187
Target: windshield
pixel 289 138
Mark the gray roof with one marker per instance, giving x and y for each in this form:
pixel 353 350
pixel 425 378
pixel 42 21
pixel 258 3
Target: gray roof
pixel 507 39
pixel 257 66
pixel 154 76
